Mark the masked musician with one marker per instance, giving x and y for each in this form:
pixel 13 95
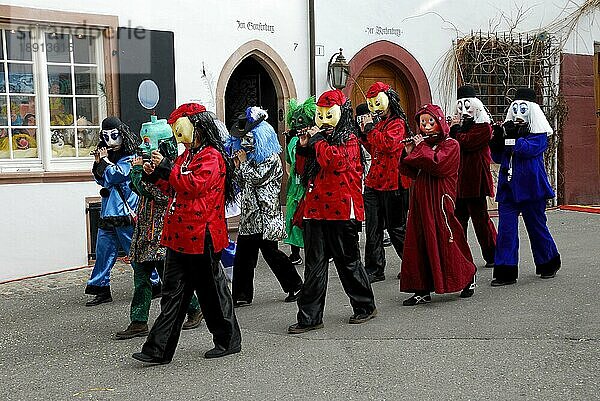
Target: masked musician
pixel 258 174
pixel 523 188
pixel 146 253
pixel 333 211
pixel 436 254
pixel 115 229
pixel 199 183
pixel 300 116
pixel 386 193
pixel 471 127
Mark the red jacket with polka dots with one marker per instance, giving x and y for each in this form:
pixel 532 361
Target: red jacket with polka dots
pixel 336 192
pixel 384 146
pixel 196 202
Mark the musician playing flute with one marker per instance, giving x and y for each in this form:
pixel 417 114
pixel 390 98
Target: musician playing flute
pixel 436 254
pixel 386 192
pixel 332 213
pixel 471 127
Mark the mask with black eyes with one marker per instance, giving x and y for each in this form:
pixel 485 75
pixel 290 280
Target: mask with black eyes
pixel 110 133
pixel 520 112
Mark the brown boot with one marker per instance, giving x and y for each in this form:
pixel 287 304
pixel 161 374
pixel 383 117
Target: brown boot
pixel 193 320
pixel 135 329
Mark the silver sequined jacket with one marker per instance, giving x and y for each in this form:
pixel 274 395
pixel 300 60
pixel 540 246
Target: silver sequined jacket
pixel 259 198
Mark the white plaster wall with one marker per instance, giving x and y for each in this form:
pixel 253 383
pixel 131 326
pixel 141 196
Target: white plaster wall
pixel 43 227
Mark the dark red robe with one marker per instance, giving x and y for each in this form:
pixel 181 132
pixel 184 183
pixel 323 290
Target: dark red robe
pixel 436 254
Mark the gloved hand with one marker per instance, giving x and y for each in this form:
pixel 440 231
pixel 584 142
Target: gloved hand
pixel 466 125
pixel 497 141
pixel 511 130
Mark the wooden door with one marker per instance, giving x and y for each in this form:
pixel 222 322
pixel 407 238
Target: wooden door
pixel 386 73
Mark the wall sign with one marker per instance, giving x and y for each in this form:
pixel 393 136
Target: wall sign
pixel 255 26
pixel 381 30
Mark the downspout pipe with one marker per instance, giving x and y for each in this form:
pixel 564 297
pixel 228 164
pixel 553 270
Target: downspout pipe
pixel 312 47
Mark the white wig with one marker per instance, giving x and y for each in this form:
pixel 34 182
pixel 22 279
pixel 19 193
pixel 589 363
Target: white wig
pixel 532 114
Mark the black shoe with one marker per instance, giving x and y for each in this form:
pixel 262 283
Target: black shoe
pixel 298 328
pixel 218 351
pixel 157 291
pixel 499 283
pixel 489 265
pixel 469 290
pixel 99 299
pixel 548 275
pixel 417 300
pixel 362 317
pixel 95 289
pixel 295 259
pixel 376 278
pixel 293 295
pixel 140 356
pixel 194 320
pixel 238 304
pixel 135 329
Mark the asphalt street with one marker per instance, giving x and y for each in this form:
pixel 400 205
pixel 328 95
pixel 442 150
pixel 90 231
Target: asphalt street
pixel 536 340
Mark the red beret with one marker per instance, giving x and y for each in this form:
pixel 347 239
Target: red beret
pixel 330 98
pixel 186 109
pixel 376 88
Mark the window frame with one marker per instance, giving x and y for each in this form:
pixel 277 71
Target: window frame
pixel 27 17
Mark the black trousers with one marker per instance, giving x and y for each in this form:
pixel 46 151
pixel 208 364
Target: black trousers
pixel 383 210
pixel 246 258
pixel 184 274
pixel 338 238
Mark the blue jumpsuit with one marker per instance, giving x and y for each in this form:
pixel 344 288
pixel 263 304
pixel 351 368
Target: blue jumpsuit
pixel 523 188
pixel 111 237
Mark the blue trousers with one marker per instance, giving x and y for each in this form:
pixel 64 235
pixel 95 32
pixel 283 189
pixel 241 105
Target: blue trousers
pixel 543 247
pixel 107 247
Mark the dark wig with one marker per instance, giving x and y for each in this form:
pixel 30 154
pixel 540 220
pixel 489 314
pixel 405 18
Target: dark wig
pixel 131 141
pixel 396 110
pixel 209 135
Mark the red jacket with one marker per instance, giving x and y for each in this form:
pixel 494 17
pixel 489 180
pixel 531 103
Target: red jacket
pixel 384 146
pixel 336 192
pixel 196 201
pixel 474 176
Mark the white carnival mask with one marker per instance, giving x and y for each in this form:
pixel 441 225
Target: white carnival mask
pixel 113 138
pixel 471 107
pixel 521 111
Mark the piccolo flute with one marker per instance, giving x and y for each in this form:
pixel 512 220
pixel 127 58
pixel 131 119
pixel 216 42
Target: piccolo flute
pixel 412 138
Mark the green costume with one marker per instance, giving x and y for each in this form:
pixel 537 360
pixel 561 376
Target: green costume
pixel 299 117
pixel 295 193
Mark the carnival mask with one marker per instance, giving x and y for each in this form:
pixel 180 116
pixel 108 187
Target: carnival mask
pixel 328 117
pixel 379 104
pixel 428 124
pixel 183 130
pixel 465 108
pixel 519 112
pixel 112 138
pixel 247 142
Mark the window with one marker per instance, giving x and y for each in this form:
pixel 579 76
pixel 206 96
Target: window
pixel 51 82
pixel 18 94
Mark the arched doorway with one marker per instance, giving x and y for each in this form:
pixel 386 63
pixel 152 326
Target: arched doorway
pixel 390 63
pixel 256 75
pixel 250 85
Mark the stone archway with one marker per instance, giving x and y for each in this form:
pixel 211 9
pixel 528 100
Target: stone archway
pixel 415 82
pixel 275 67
